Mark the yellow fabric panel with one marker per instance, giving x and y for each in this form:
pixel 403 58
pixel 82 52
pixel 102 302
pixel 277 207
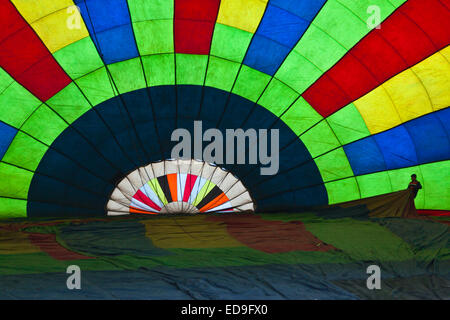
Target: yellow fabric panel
pixel 378 111
pixel 408 95
pixel 412 93
pixel 242 14
pixel 20 245
pixel 58 23
pixel 434 73
pixel 34 10
pixel 195 232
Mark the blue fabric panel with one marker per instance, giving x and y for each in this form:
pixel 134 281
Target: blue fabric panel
pixel 109 25
pixel 365 156
pixel 282 26
pixel 7 134
pixel 444 118
pixel 430 138
pixel 305 9
pixel 397 148
pixel 265 55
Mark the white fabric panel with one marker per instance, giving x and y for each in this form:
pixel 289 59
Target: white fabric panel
pixel 116 207
pixel 235 190
pixel 146 172
pixel 158 168
pixel 116 213
pixel 227 183
pixel 223 206
pixel 218 176
pixel 171 167
pixel 136 179
pixel 126 187
pixel 241 200
pixel 120 197
pixel 184 166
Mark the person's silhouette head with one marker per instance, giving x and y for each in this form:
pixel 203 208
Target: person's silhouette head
pixel 413 177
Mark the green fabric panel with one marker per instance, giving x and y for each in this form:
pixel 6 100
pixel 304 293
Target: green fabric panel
pixel 359 8
pixel 301 116
pixel 142 10
pixel 79 58
pixel 96 86
pixel 250 83
pixel 16 105
pixel 319 139
pixel 334 165
pixel 69 103
pixel 14 182
pixel 319 49
pixel 400 179
pixel 207 187
pixel 25 151
pixel 127 75
pixel 436 177
pixel 298 72
pixel 13 208
pixel 44 125
pixel 154 184
pixel 342 190
pixel 154 36
pixel 348 124
pixel 230 43
pixel 159 69
pixel 342 24
pixel 277 97
pixel 374 184
pixel 191 68
pixel 336 29
pixel 362 240
pixel 221 73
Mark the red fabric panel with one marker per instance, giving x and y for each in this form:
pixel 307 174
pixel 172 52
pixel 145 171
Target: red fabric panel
pixel 194 24
pixel 412 33
pixel 271 236
pixel 25 58
pixel 434 212
pixel 140 196
pixel 48 244
pixel 190 181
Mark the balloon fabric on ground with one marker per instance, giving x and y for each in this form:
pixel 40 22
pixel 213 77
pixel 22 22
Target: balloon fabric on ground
pixel 226 256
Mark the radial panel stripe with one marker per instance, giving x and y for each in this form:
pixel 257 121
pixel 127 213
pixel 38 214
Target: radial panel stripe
pixel 190 181
pixel 413 32
pixel 164 183
pixel 194 24
pixel 283 24
pixel 109 25
pixel 25 57
pixel 212 195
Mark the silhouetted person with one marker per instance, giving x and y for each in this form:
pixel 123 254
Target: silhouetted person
pixel 414 185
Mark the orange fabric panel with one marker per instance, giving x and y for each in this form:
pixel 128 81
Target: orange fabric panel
pixel 172 179
pixel 221 199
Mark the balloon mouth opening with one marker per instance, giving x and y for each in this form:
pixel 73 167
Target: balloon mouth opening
pixel 179 186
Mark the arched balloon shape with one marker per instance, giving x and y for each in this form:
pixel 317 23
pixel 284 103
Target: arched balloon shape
pixel 91 92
